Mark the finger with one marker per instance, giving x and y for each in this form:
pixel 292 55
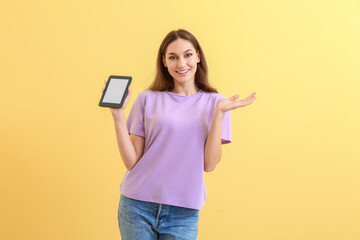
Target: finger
pixel 250 96
pixel 234 97
pixel 248 102
pixel 251 99
pixel 129 92
pixel 243 103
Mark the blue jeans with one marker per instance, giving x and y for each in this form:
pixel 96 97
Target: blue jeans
pixel 140 220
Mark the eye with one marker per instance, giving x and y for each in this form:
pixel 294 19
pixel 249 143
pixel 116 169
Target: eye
pixel 189 55
pixel 171 57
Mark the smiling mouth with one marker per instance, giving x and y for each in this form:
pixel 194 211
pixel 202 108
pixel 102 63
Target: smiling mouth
pixel 185 71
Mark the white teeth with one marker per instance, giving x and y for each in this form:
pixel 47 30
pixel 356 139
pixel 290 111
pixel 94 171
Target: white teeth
pixel 183 71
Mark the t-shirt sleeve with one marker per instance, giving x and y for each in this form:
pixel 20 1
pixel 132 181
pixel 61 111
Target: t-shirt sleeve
pixel 135 120
pixel 226 128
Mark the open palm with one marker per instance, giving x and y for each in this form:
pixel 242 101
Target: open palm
pixel 231 103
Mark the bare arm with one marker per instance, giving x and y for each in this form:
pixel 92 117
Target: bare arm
pixel 213 150
pixel 131 147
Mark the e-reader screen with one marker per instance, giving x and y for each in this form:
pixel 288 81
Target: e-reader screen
pixel 115 91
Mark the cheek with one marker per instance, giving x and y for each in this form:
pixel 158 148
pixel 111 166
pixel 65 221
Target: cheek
pixel 171 67
pixel 171 64
pixel 193 62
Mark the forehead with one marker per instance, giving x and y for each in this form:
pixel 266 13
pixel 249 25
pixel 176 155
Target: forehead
pixel 179 46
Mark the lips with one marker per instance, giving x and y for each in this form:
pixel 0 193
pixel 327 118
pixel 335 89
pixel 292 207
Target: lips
pixel 183 71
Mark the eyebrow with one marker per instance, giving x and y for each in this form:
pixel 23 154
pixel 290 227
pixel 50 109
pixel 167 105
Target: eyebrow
pixel 184 52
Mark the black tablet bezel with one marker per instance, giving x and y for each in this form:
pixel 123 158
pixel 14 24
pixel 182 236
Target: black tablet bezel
pixel 115 105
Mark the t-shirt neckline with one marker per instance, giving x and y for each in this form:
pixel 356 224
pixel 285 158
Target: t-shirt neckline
pixel 182 96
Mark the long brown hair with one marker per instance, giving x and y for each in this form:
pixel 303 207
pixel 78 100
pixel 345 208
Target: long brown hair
pixel 163 80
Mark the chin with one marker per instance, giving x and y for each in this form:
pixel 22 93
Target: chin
pixel 182 80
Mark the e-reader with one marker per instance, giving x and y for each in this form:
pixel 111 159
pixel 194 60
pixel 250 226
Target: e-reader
pixel 115 91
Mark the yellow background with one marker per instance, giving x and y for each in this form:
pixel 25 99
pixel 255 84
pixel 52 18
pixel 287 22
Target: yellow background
pixel 292 170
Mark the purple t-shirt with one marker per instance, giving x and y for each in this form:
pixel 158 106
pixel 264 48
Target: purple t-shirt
pixel 175 128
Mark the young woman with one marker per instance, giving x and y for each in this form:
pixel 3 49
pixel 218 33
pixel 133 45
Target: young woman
pixel 173 134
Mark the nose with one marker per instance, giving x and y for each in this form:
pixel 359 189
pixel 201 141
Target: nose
pixel 181 62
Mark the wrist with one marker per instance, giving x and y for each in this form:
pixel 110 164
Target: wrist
pixel 218 113
pixel 119 114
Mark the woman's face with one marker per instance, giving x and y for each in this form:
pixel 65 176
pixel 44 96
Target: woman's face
pixel 181 60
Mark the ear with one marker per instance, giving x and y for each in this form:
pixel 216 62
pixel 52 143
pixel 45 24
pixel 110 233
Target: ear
pixel 198 55
pixel 163 60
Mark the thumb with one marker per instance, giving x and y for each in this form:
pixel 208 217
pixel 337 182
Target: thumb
pixel 234 97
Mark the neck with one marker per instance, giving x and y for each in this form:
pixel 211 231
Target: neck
pixel 185 90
